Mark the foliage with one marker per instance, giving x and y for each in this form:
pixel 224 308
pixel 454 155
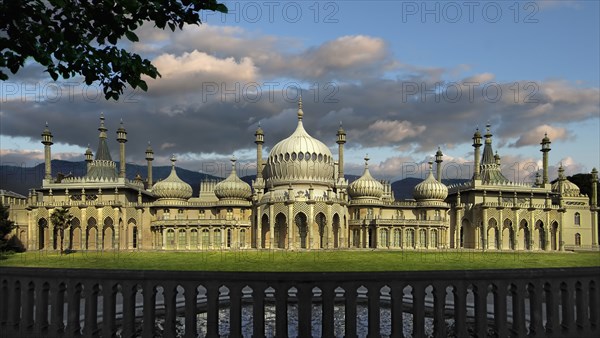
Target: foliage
pixel 80 37
pixel 6 226
pixel 309 261
pixel 61 219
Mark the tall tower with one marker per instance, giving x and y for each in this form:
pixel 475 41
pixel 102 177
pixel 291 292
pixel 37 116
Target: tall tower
pixel 477 145
pixel 545 149
pixel 121 138
pixel 259 140
pixel 149 158
pixel 438 164
pixel 594 208
pixel 341 139
pixel 47 142
pixel 89 157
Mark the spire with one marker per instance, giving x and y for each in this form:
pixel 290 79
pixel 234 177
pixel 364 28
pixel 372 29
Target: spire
pixel 300 112
pixel 103 153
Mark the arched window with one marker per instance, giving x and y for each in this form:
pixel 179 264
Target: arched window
pixel 410 238
pixel 205 239
pixel 242 238
pixel 577 239
pixel 577 219
pixel 397 238
pixel 182 238
pixel 438 215
pixel 229 213
pixel 217 238
pixel 423 238
pixel 370 213
pixel 201 215
pixel 434 238
pixel 194 239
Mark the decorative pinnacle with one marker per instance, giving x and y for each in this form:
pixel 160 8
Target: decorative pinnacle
pixel 232 159
pixel 367 161
pixel 300 112
pixel 430 165
pixel 173 160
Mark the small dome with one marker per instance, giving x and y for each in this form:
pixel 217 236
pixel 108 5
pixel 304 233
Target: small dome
pixel 300 157
pixel 233 187
pixel 430 188
pixel 172 186
pixel 563 186
pixel 366 186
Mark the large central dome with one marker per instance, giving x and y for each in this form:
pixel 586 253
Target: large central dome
pixel 300 158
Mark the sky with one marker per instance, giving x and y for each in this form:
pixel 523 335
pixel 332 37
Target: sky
pixel 403 77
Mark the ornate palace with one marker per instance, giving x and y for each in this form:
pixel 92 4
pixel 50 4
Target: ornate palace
pixel 301 200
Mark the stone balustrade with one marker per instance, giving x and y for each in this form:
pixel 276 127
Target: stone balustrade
pixel 36 302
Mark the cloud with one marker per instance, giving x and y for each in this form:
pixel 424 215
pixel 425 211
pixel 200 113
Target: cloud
pixel 533 137
pixel 381 100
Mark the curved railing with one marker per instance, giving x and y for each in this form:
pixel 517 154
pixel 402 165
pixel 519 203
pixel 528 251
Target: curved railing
pixel 38 302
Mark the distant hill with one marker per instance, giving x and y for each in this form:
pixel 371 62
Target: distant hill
pixel 21 179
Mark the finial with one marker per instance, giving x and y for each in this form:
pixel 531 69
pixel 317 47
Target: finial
pixel 430 165
pixel 173 160
pixel 367 161
pixel 300 112
pixel 46 124
pixel 233 159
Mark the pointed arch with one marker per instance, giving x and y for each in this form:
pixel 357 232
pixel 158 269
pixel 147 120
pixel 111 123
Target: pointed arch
pixel 42 233
pixel 280 231
pixel 300 220
pixel 524 233
pixel 321 222
pixel 91 234
pixel 542 234
pixel 75 235
pixel 336 230
pixel 493 234
pixel 265 232
pixel 554 236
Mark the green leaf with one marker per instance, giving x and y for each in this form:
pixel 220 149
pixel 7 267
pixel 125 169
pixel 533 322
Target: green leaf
pixel 131 36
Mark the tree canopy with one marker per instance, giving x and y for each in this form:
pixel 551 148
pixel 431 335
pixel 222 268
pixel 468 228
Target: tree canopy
pixel 61 219
pixel 80 37
pixel 6 227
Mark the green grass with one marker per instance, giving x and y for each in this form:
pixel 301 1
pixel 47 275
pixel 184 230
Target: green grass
pixel 287 261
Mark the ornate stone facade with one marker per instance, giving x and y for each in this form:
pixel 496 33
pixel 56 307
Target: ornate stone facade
pixel 301 200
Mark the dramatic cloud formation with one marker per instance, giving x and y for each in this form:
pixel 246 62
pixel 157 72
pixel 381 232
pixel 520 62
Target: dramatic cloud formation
pixel 219 83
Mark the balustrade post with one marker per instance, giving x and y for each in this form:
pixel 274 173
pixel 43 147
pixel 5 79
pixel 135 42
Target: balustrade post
pixel 439 316
pixel 480 297
pixel 27 299
pixel 460 309
pixel 212 310
pixel 374 294
pixel 328 298
pixel 57 325
pixel 235 310
pixel 350 309
pixel 581 303
pixel 149 309
pixel 552 325
pixel 41 308
pixel 594 302
pixel 109 300
pixel 418 298
pixel 518 309
pixel 170 303
pixel 14 304
pixel 91 309
pixel 73 310
pixel 191 297
pixel 281 319
pixel 567 308
pixel 128 290
pixel 536 326
pixel 499 290
pixel 305 295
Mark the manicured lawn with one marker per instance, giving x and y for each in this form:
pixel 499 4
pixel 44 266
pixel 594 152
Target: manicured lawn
pixel 275 260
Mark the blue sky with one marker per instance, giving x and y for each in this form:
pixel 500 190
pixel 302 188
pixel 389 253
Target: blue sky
pixel 366 56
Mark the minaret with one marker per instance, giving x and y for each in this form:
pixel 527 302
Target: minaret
pixel 89 157
pixel 47 142
pixel 438 164
pixel 594 208
pixel 545 149
pixel 121 138
pixel 259 140
pixel 149 158
pixel 477 145
pixel 341 139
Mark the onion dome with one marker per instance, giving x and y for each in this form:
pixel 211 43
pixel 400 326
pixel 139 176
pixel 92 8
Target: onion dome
pixel 430 188
pixel 300 158
pixel 172 186
pixel 563 186
pixel 233 187
pixel 366 186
